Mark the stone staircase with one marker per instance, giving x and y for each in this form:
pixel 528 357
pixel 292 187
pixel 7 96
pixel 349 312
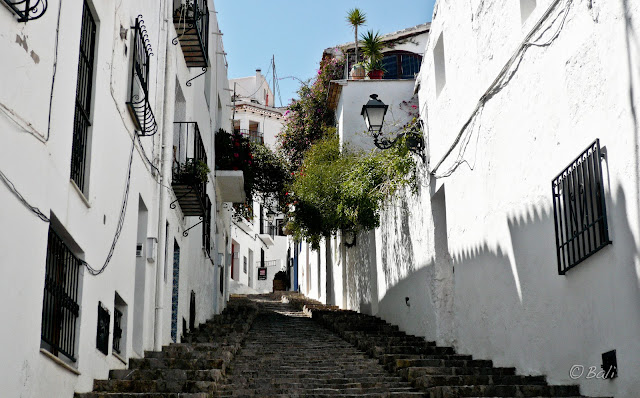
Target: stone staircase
pixel 190 369
pixel 437 371
pixel 286 354
pixel 268 346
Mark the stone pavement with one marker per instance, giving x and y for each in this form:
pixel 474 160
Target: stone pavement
pixel 268 346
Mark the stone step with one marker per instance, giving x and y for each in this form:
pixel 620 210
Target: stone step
pixel 502 391
pixel 154 386
pixel 419 379
pixel 186 364
pixel 408 372
pixel 166 374
pixel 140 395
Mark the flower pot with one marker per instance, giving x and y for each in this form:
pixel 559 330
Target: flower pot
pixel 375 74
pixel 279 286
pixel 358 72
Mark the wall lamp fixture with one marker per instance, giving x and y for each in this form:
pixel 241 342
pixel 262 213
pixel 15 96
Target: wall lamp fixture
pixel 374 112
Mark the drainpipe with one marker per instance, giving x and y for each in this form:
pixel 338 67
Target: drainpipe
pixel 165 167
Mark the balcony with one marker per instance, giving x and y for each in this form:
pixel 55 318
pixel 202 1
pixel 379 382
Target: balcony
pixel 27 10
pixel 267 233
pixel 191 21
pixel 231 184
pixel 190 169
pixel 254 136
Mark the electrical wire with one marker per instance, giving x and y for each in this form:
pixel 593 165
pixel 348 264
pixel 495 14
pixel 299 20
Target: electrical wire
pixel 123 211
pixel 17 194
pixel 55 70
pixel 504 77
pixel 266 77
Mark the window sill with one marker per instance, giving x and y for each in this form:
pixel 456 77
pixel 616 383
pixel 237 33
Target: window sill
pixel 80 193
pixel 60 362
pixel 124 361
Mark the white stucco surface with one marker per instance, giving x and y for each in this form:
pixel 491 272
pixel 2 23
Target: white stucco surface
pixel 474 252
pixel 40 168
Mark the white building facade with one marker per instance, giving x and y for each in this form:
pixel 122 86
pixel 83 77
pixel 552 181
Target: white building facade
pixel 259 248
pixel 105 114
pixel 521 245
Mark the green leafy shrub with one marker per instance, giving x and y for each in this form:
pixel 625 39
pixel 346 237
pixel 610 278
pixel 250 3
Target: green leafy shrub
pixel 341 189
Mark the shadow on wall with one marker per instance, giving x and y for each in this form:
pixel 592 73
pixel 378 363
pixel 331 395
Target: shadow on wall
pixel 362 281
pixel 561 320
pixel 633 52
pixel 397 252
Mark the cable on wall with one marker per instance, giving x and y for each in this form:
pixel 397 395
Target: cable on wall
pixel 17 194
pixel 123 212
pixel 504 77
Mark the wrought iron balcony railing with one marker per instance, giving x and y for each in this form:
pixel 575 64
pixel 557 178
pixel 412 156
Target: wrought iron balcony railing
pixel 190 169
pixel 138 104
pixel 191 21
pixel 253 135
pixel 27 10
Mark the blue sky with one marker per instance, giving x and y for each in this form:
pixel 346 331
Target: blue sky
pixel 297 31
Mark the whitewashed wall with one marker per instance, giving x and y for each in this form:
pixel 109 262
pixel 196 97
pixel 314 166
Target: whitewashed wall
pixel 40 171
pixel 510 304
pixel 474 252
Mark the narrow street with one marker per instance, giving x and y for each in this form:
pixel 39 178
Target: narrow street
pixel 287 354
pixel 262 346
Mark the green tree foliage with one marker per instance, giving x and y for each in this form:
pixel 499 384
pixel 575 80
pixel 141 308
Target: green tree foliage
pixel 341 189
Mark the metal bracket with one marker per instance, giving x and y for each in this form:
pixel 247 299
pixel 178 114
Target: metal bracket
pixel 186 231
pixel 173 205
pixel 204 70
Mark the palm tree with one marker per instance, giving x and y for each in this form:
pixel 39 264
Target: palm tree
pixel 355 18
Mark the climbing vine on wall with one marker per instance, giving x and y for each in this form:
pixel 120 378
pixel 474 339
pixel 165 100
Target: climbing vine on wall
pixel 308 117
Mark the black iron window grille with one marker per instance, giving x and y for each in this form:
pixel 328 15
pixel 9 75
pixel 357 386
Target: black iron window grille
pixel 102 335
pixel 27 10
pixel 190 170
pixel 60 308
pixel 84 87
pixel 138 104
pixel 257 137
pixel 401 65
pixel 117 330
pixel 579 209
pixel 206 227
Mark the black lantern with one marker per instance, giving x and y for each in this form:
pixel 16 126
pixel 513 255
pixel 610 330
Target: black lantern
pixel 271 215
pixel 374 112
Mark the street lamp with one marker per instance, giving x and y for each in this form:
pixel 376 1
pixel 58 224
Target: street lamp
pixel 271 215
pixel 374 112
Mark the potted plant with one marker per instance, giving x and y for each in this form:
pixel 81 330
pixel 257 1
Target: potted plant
pixel 372 49
pixel 280 281
pixel 355 18
pixel 192 171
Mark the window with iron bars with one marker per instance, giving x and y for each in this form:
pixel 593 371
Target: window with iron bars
pixel 117 330
pixel 102 335
pixel 579 209
pixel 138 104
pixel 84 87
pixel 60 307
pixel 401 65
pixel 206 227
